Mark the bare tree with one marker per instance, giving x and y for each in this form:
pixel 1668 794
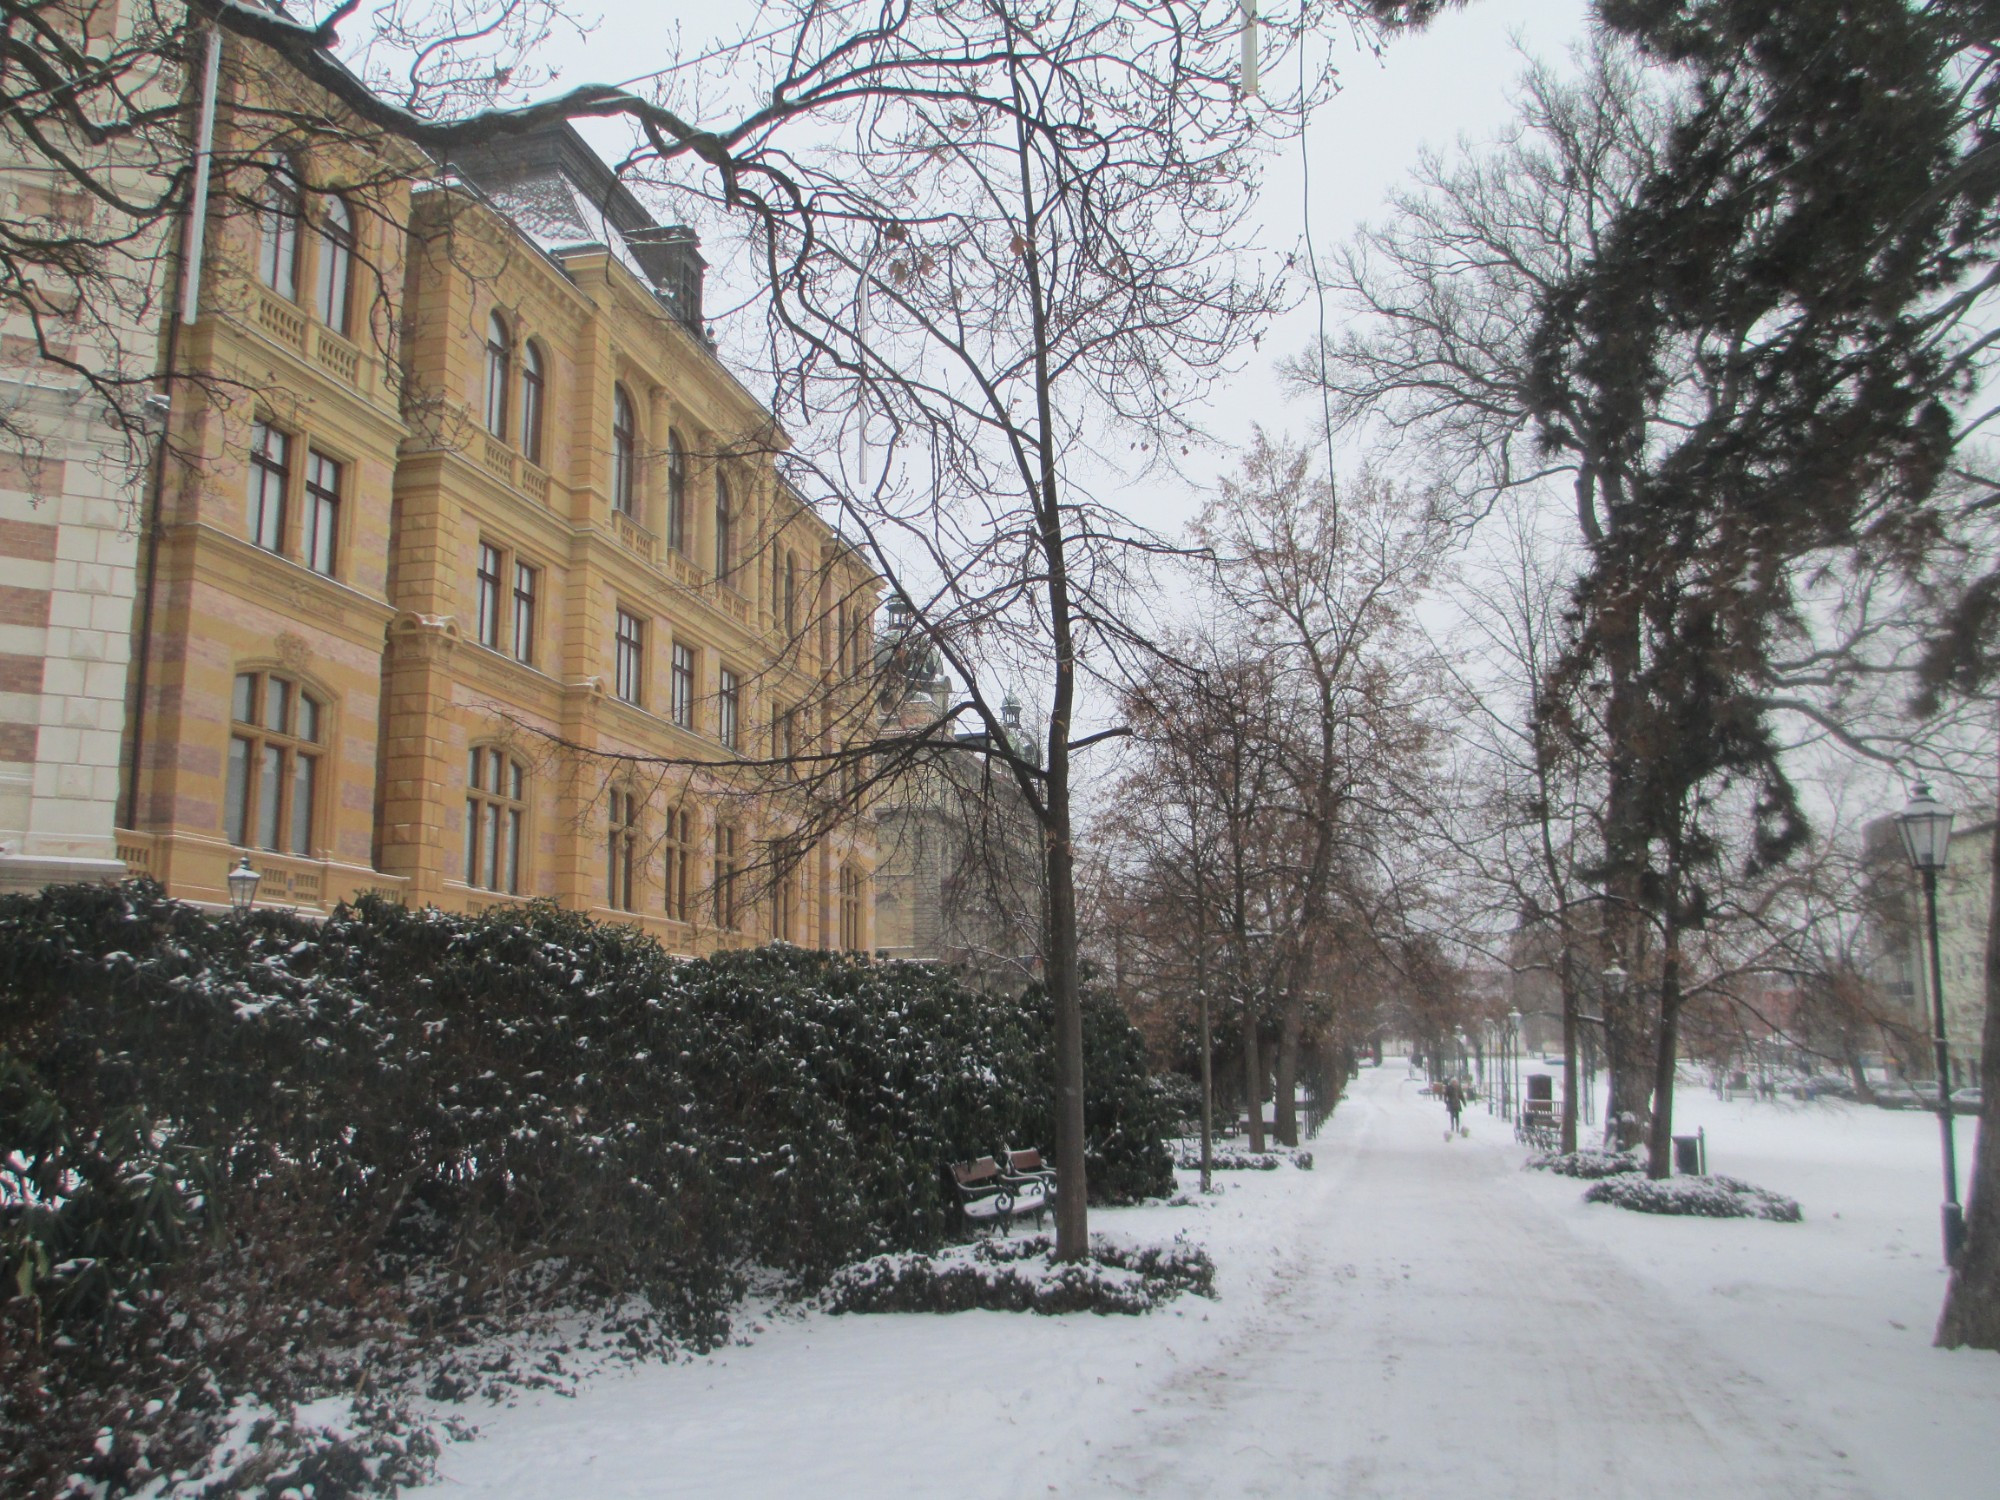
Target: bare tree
pixel 1322 589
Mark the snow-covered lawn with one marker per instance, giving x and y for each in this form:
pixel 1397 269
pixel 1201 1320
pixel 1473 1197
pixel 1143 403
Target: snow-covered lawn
pixel 1412 1318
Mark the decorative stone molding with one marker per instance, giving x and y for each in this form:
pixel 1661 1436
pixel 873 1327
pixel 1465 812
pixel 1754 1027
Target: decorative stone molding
pixel 417 637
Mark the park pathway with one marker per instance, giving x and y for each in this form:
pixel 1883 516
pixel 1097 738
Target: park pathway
pixel 1434 1330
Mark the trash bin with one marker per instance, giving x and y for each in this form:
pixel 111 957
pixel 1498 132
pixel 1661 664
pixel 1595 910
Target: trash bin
pixel 1690 1155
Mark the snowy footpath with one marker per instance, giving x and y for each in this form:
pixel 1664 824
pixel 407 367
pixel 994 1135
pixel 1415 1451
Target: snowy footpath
pixel 1415 1318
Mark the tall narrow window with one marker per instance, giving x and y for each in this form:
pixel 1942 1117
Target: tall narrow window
pixel 489 595
pixel 278 231
pixel 678 868
pixel 621 848
pixel 531 402
pixel 784 896
pixel 677 517
pixel 624 454
pixel 683 686
pixel 728 706
pixel 272 791
pixel 495 807
pixel 322 511
pixel 783 738
pixel 724 549
pixel 527 582
pixel 497 360
pixel 791 594
pixel 852 933
pixel 336 263
pixel 629 658
pixel 725 877
pixel 270 478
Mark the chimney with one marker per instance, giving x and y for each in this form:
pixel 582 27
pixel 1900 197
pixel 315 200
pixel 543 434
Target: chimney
pixel 671 258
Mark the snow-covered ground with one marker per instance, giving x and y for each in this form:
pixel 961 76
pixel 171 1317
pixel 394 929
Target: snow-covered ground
pixel 1414 1318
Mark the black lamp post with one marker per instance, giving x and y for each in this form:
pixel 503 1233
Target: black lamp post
pixel 1926 829
pixel 1513 1065
pixel 242 886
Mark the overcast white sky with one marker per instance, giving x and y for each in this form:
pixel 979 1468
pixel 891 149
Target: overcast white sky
pixel 1454 79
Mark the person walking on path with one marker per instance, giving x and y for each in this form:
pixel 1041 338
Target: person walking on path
pixel 1454 1103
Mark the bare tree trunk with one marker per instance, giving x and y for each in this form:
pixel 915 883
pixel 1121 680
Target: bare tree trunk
pixel 1285 1113
pixel 1253 1074
pixel 1972 1300
pixel 1627 1015
pixel 1073 1194
pixel 1566 981
pixel 1660 1142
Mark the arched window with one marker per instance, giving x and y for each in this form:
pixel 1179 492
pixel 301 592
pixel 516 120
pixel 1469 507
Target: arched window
pixel 336 263
pixel 677 519
pixel 497 357
pixel 278 231
pixel 723 521
pixel 531 402
pixel 624 453
pixel 496 805
pixel 272 793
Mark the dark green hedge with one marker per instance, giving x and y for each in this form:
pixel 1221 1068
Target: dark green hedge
pixel 398 1119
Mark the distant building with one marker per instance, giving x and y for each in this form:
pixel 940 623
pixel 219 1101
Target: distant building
pixel 958 876
pixel 1898 941
pixel 1534 988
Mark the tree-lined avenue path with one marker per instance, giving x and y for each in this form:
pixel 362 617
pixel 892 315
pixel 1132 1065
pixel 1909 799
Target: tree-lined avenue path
pixel 1439 1331
pixel 1410 1320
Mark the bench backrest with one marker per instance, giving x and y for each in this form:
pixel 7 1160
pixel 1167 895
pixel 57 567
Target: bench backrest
pixel 968 1173
pixel 1025 1161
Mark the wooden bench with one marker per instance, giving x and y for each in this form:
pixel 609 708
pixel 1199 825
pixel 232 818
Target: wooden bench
pixel 989 1193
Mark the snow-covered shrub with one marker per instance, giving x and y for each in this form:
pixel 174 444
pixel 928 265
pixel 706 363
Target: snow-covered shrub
pixel 1701 1197
pixel 280 1156
pixel 1182 1096
pixel 1187 1156
pixel 1587 1163
pixel 1022 1276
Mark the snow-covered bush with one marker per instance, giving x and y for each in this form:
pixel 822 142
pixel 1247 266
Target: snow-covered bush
pixel 1701 1197
pixel 1022 1276
pixel 1587 1163
pixel 1187 1156
pixel 261 1158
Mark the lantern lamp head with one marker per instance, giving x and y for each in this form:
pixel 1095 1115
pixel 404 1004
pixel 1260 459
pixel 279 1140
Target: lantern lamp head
pixel 243 882
pixel 1926 828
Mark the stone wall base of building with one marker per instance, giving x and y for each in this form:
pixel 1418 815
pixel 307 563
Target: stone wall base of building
pixel 30 872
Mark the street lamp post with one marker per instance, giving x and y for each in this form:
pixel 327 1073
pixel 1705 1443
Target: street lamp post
pixel 1926 829
pixel 1514 1064
pixel 242 886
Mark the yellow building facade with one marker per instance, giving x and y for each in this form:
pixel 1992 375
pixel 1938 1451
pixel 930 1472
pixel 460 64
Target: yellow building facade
pixel 475 578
